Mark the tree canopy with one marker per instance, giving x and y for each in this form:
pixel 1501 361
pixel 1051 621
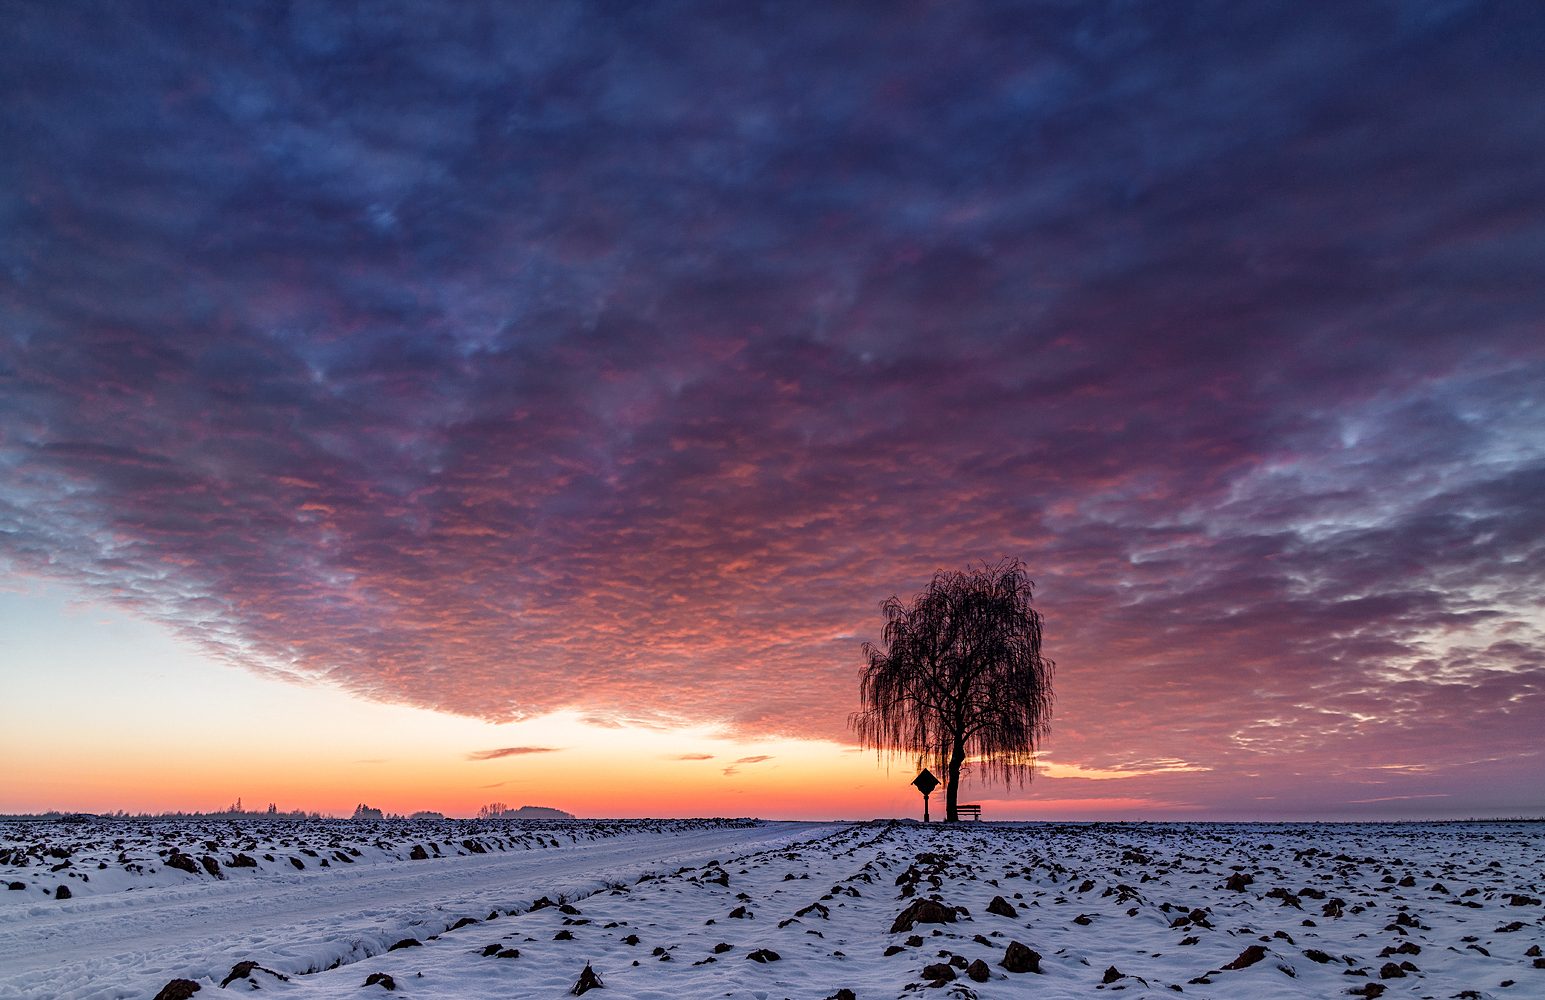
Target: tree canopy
pixel 958 679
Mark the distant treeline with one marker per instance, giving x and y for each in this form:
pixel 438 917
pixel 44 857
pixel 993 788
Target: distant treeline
pixel 363 811
pixel 498 810
pixel 55 816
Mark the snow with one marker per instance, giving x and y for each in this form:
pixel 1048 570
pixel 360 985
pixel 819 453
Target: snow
pixel 674 909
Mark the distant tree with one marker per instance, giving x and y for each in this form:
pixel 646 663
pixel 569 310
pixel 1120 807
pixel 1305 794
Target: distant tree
pixel 959 679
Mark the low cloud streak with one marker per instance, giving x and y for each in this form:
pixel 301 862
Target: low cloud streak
pixel 509 752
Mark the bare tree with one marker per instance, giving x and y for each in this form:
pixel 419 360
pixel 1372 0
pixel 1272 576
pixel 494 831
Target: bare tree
pixel 959 679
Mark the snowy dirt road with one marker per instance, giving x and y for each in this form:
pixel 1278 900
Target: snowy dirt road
pixel 128 943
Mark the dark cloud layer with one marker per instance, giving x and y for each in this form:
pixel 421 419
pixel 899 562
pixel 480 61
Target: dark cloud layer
pixel 503 358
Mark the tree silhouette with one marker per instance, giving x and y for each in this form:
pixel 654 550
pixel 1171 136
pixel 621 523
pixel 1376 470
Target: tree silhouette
pixel 959 678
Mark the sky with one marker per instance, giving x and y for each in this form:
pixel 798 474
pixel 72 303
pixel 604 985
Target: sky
pixel 386 384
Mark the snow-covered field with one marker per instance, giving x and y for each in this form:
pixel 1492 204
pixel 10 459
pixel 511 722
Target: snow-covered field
pixel 671 909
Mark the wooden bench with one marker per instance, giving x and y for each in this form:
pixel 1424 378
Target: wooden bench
pixel 971 809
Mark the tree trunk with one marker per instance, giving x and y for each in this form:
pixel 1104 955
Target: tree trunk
pixel 952 783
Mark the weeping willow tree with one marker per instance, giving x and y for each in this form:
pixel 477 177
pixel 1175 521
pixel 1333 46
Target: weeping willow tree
pixel 959 679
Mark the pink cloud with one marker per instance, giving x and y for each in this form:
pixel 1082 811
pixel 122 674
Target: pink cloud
pixel 734 768
pixel 509 752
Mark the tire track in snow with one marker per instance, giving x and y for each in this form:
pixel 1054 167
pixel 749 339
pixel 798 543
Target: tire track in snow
pixel 122 944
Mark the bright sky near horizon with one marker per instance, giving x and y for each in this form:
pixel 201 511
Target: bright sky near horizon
pixel 387 385
pixel 151 724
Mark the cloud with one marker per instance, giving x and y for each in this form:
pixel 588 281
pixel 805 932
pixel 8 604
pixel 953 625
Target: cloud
pixel 734 768
pixel 1074 808
pixel 595 368
pixel 509 752
pixel 691 756
pixel 1050 769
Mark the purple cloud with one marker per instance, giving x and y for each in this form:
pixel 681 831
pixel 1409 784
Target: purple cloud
pixel 506 362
